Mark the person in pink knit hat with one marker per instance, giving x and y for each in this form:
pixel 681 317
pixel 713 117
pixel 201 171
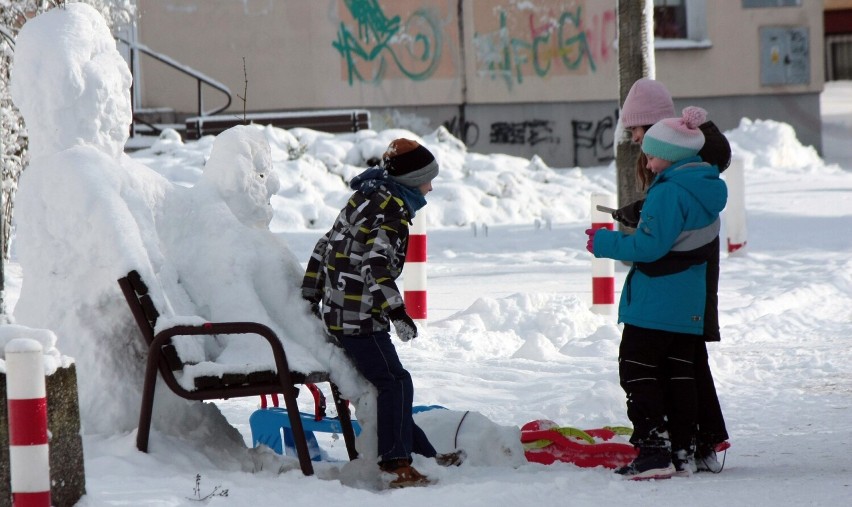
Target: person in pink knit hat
pixel 662 303
pixel 648 102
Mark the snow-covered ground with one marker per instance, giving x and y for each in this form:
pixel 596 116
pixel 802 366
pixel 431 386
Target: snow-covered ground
pixel 511 338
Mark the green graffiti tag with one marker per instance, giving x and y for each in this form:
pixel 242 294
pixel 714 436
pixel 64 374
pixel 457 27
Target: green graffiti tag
pixel 510 57
pixel 414 46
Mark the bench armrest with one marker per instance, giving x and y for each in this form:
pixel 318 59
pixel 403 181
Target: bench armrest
pixel 219 328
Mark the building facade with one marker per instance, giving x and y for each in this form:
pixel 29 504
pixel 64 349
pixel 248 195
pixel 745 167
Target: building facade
pixel 534 77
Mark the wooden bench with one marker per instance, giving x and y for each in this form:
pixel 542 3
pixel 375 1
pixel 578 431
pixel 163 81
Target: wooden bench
pixel 162 355
pixel 332 121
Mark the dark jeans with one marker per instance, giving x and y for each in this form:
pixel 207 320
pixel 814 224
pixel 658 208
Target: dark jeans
pixel 657 373
pixel 376 358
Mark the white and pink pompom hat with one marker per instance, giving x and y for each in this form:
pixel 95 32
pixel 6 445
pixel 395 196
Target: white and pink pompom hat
pixel 675 139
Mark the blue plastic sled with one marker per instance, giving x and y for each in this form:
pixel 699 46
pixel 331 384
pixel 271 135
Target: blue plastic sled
pixel 268 425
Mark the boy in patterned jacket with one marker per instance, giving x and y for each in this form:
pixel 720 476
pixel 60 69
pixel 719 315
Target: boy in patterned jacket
pixel 352 276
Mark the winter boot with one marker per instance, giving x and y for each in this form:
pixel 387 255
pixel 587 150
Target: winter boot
pixel 404 475
pixel 651 463
pixel 684 463
pixel 706 459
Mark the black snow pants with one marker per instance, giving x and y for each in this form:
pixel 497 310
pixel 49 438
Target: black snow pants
pixel 657 372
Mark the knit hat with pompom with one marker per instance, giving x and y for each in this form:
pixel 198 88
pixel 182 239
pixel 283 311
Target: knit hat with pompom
pixel 674 139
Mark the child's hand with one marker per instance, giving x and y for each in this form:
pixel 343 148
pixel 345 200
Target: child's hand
pixel 590 244
pixel 313 302
pixel 627 216
pixel 405 328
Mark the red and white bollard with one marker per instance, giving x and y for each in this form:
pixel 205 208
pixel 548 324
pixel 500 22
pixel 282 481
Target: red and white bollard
pixel 27 405
pixel 735 213
pixel 603 270
pixel 414 278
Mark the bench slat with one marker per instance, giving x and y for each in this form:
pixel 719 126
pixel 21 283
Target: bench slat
pixel 260 377
pixel 150 310
pixel 332 121
pixel 171 356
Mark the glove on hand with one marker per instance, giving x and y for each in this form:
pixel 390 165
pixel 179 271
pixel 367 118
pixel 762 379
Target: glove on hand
pixel 313 296
pixel 405 328
pixel 314 304
pixel 629 215
pixel 590 244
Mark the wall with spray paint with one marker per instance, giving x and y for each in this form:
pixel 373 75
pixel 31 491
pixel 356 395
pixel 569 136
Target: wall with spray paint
pixel 304 55
pixel 541 51
pixel 531 77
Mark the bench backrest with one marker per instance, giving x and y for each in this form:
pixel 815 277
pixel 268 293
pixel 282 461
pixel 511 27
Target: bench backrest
pixel 332 121
pixel 145 313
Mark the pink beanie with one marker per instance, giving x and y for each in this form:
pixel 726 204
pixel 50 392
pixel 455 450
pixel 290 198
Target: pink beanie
pixel 675 139
pixel 647 102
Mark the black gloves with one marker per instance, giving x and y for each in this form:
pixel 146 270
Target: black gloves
pixel 629 215
pixel 313 299
pixel 315 309
pixel 405 328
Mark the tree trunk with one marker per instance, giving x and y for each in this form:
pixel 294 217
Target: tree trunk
pixel 635 61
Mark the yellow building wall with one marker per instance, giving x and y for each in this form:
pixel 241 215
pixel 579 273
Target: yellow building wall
pixel 304 54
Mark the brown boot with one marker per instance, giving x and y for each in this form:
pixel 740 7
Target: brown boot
pixel 405 474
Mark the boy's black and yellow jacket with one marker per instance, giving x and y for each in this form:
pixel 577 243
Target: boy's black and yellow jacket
pixel 354 266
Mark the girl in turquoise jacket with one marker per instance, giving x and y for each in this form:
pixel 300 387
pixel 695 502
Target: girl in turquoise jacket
pixel 665 288
pixel 663 299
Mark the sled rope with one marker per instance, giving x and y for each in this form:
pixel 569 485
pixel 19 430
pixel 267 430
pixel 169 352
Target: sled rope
pixel 456 438
pixel 724 456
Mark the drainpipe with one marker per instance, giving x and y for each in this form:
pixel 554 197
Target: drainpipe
pixel 462 117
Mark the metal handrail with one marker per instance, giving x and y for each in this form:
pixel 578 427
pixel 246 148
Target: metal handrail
pixel 200 78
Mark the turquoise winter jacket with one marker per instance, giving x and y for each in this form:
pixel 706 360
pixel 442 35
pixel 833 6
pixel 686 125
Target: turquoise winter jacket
pixel 680 215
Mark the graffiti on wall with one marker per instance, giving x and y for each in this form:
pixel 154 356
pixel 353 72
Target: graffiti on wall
pixel 466 131
pixel 543 42
pixel 531 132
pixel 412 39
pixel 375 46
pixel 595 138
pixel 592 140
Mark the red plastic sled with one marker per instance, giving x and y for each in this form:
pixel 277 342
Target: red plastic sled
pixel 545 442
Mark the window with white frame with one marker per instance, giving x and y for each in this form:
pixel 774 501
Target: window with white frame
pixel 680 20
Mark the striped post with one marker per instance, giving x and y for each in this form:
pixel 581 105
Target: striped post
pixel 414 279
pixel 26 392
pixel 735 212
pixel 603 270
